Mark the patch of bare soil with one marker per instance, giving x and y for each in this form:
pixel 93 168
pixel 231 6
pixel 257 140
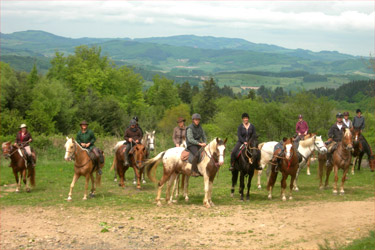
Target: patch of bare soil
pixel 186 227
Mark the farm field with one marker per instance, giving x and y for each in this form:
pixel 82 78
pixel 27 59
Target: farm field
pixel 127 218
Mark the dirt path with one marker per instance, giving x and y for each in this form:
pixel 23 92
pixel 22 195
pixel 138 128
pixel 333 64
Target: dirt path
pixel 190 227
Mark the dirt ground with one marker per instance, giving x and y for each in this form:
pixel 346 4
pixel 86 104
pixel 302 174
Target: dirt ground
pixel 186 227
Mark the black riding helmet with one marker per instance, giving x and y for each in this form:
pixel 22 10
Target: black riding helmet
pixel 245 115
pixel 339 115
pixel 135 118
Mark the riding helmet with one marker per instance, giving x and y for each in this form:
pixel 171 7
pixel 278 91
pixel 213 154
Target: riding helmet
pixel 299 116
pixel 83 123
pixel 135 118
pixel 196 116
pixel 23 125
pixel 339 115
pixel 245 115
pixel 346 113
pixel 133 122
pixel 358 110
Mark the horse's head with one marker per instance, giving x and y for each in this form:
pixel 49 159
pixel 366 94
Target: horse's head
pixel 139 153
pixel 252 150
pixel 220 149
pixel 70 148
pixel 347 139
pixel 6 147
pixel 288 148
pixel 150 137
pixel 319 145
pixel 356 134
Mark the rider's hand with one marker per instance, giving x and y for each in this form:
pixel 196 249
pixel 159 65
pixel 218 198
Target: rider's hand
pixel 130 139
pixel 83 144
pixel 88 144
pixel 177 145
pixel 245 143
pixel 136 141
pixel 202 144
pixel 299 133
pixel 305 133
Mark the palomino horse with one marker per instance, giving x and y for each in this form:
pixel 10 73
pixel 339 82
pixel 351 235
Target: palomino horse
pixel 83 166
pixel 306 147
pixel 213 158
pixel 246 163
pixel 137 156
pixel 19 165
pixel 341 158
pixel 148 142
pixel 288 165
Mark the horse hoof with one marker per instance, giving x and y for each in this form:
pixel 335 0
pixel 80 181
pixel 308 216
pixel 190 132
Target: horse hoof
pixel 231 195
pixel 186 199
pixel 248 198
pixel 134 183
pixel 259 187
pixel 28 190
pixel 290 198
pixel 284 198
pixel 212 204
pixel 144 182
pixel 115 179
pixel 270 197
pixel 321 187
pixel 92 195
pixel 342 192
pixel 334 192
pixel 139 188
pixel 17 191
pixel 158 204
pixel 84 198
pixel 207 205
pixel 69 198
pixel 241 200
pixel 296 189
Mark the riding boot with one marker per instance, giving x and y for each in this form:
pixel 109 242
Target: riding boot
pixel 126 163
pixel 232 161
pixel 29 161
pixel 97 159
pixel 194 167
pixel 329 159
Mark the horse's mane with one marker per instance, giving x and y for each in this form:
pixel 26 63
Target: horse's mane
pixel 307 142
pixel 347 132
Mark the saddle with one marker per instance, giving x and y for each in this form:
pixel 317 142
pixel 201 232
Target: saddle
pixel 238 153
pixel 188 156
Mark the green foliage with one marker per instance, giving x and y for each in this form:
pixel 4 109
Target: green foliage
pixel 185 92
pixel 163 93
pixel 168 122
pixel 205 103
pixel 10 121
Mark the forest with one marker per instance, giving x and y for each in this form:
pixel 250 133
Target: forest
pixel 87 85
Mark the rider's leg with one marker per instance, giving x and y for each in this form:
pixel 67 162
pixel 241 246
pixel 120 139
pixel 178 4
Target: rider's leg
pixel 233 155
pixel 98 158
pixel 128 147
pixel 194 164
pixel 29 157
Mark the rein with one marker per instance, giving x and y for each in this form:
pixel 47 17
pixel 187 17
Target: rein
pixel 210 155
pixel 74 151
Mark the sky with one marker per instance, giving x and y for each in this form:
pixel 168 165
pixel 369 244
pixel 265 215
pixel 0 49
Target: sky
pixel 344 26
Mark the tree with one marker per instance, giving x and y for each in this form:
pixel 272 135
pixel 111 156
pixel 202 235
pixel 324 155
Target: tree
pixel 168 122
pixel 185 92
pixel 163 93
pixel 251 94
pixel 206 105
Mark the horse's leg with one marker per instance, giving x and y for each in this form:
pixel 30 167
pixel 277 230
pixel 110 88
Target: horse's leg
pixel 18 180
pixel 28 181
pixel 308 166
pixel 234 181
pixel 343 181
pixel 92 193
pixel 115 175
pixel 271 183
pixel 242 184
pixel 251 174
pixel 336 170
pixel 211 183
pixel 283 186
pixel 87 179
pixel 360 161
pixel 259 175
pixel 135 178
pixel 138 174
pixel 168 194
pixel 143 178
pixel 186 187
pixel 121 170
pixel 165 178
pixel 75 178
pixel 320 173
pixel 328 173
pixel 176 187
pixel 293 176
pixel 295 186
pixel 206 190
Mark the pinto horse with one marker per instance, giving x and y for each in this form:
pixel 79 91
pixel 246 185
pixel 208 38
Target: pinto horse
pixel 288 165
pixel 248 160
pixel 212 159
pixel 137 156
pixel 341 158
pixel 83 166
pixel 19 165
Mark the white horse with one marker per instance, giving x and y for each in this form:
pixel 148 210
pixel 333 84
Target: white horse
pixel 213 158
pixel 266 149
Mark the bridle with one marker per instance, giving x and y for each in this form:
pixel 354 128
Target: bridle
pixel 211 156
pixel 72 153
pixel 248 154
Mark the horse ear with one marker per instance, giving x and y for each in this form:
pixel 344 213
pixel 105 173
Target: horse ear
pixel 67 138
pixel 217 139
pixel 153 132
pixel 225 141
pixel 284 139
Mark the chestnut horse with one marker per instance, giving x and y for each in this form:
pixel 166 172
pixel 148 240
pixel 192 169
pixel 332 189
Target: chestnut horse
pixel 212 159
pixel 83 166
pixel 341 158
pixel 137 156
pixel 288 165
pixel 19 165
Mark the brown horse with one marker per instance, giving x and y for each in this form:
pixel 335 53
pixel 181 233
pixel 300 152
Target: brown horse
pixel 83 166
pixel 137 155
pixel 288 165
pixel 322 159
pixel 357 146
pixel 341 158
pixel 19 165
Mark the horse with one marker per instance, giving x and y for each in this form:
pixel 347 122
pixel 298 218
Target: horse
pixel 19 165
pixel 341 158
pixel 148 141
pixel 136 156
pixel 322 159
pixel 357 146
pixel 83 166
pixel 248 160
pixel 288 165
pixel 266 149
pixel 212 158
pixel 361 147
pixel 306 147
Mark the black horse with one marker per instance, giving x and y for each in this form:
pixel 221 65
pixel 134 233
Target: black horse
pixel 365 149
pixel 246 163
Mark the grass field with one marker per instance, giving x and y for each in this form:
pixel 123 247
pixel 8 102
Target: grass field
pixel 53 178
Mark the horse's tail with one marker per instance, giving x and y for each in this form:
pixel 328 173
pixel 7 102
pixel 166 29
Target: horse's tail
pixel 151 165
pixel 114 163
pixel 32 177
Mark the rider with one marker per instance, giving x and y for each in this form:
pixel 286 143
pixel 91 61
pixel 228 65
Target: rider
pixel 346 120
pixel 359 121
pixel 23 139
pixel 86 138
pixel 335 135
pixel 195 139
pixel 179 132
pixel 301 128
pixel 244 132
pixel 133 135
pixel 136 119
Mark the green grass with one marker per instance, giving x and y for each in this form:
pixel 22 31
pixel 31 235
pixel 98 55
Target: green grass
pixel 365 243
pixel 53 178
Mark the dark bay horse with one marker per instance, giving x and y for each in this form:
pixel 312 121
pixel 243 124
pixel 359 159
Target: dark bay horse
pixel 248 160
pixel 213 158
pixel 341 158
pixel 19 166
pixel 83 166
pixel 137 155
pixel 288 165
pixel 361 147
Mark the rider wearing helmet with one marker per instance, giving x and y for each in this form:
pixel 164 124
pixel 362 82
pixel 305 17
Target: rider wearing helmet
pixel 346 120
pixel 137 125
pixel 133 135
pixel 195 140
pixel 335 134
pixel 86 138
pixel 23 139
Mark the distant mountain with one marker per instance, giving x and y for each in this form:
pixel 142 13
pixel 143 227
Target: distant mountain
pixel 184 55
